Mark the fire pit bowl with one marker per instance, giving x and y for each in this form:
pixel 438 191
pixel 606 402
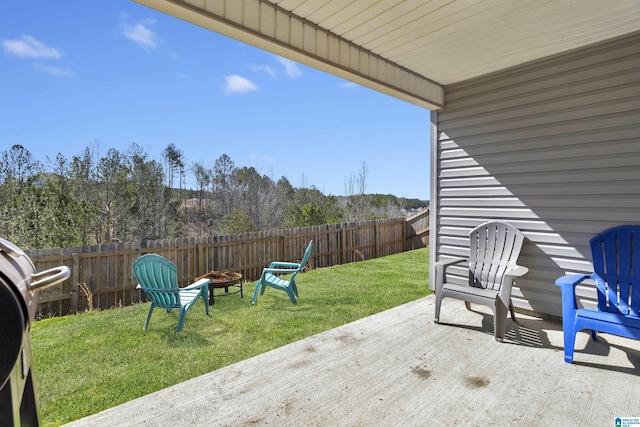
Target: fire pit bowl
pixel 223 280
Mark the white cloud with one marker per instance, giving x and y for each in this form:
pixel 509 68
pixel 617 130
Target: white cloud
pixel 349 85
pixel 291 68
pixel 238 84
pixel 30 47
pixel 140 33
pixel 264 69
pixel 56 71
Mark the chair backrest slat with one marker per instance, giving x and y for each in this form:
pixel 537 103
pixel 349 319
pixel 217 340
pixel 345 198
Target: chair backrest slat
pixel 489 236
pixel 496 269
pixel 616 260
pixel 611 278
pixel 625 245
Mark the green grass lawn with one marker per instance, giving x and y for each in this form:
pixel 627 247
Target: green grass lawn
pixel 93 361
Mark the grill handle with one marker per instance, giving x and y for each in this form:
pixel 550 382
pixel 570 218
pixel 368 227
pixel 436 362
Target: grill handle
pixel 11 249
pixel 48 278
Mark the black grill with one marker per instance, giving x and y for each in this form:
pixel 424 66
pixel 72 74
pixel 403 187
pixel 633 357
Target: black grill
pixel 19 284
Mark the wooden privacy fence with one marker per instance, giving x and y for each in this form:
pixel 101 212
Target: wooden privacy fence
pixel 417 230
pixel 101 276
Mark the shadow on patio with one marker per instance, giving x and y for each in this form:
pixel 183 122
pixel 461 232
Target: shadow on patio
pixel 399 368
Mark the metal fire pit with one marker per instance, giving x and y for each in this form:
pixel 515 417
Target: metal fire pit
pixel 19 284
pixel 223 280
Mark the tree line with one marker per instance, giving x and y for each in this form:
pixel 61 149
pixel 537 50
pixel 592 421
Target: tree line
pixel 119 196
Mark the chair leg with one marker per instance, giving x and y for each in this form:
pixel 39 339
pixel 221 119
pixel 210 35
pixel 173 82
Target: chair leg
pixel 183 314
pixel 513 313
pixel 204 293
pixel 468 305
pixel 146 323
pixel 594 334
pixel 500 320
pixel 438 303
pixel 255 294
pixel 569 332
pixel 291 294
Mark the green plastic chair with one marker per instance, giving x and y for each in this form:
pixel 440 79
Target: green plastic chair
pixel 270 277
pixel 158 278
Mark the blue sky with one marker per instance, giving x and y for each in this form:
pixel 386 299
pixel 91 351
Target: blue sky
pixel 80 71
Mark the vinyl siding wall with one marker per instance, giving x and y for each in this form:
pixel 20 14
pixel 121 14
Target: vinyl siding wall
pixel 552 147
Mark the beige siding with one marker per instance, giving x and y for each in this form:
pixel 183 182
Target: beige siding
pixel 295 36
pixel 553 147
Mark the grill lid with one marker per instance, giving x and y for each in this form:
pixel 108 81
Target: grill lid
pixel 19 284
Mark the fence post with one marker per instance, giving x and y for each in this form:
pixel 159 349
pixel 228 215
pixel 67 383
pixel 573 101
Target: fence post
pixel 284 247
pixel 75 279
pixel 375 239
pixel 405 243
pixel 343 233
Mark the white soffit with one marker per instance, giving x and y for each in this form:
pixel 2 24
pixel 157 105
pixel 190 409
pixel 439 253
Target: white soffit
pixel 412 49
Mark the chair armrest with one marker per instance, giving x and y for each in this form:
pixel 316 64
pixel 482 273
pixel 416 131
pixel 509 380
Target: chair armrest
pixel 279 270
pixel 284 264
pixel 440 268
pixel 572 280
pixel 567 284
pixel 199 284
pixel 446 263
pixel 507 281
pixel 517 271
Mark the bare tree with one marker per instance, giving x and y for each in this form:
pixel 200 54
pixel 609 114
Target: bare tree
pixel 358 206
pixel 174 163
pixel 203 176
pixel 224 183
pixel 171 157
pixel 260 198
pixel 363 201
pixel 349 193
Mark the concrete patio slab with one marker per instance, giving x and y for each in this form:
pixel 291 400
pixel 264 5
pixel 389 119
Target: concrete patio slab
pixel 398 368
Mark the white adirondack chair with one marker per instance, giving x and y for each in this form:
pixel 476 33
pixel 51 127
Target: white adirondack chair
pixel 494 248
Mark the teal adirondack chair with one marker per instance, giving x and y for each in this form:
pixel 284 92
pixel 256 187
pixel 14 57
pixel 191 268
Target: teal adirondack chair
pixel 270 277
pixel 616 273
pixel 158 278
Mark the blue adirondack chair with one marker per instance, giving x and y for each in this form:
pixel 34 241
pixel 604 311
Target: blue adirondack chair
pixel 616 264
pixel 270 277
pixel 158 278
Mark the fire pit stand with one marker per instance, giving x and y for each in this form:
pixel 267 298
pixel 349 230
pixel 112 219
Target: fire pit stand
pixel 223 280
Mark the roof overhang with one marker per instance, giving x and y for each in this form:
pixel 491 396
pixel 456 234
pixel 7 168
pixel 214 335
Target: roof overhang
pixel 411 49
